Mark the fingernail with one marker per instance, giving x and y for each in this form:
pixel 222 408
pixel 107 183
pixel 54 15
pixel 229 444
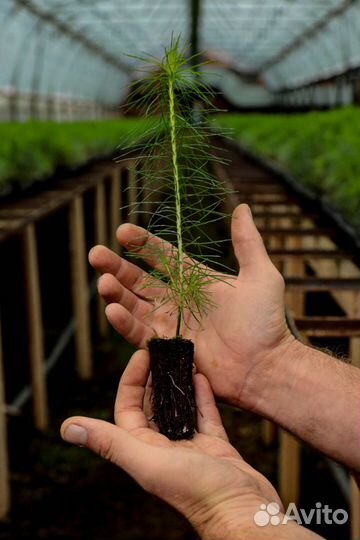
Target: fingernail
pixel 249 210
pixel 138 241
pixel 75 434
pixel 121 227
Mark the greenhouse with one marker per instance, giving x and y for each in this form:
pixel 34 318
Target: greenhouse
pixel 180 269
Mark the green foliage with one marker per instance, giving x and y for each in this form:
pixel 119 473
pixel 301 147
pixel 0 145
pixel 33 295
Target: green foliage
pixel 321 149
pixel 34 150
pixel 176 167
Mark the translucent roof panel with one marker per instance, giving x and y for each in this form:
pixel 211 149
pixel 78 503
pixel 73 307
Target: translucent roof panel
pixel 253 32
pixel 37 57
pixel 81 48
pixel 333 50
pixel 123 27
pixel 250 31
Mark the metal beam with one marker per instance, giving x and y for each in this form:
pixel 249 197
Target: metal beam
pixel 308 34
pixel 328 326
pixel 319 284
pixel 195 7
pixel 308 254
pixel 79 37
pixel 351 74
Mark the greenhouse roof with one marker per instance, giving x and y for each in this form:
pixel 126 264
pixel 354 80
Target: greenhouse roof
pixel 81 47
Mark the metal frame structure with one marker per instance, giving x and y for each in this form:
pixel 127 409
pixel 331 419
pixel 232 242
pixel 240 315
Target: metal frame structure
pixel 62 59
pixel 53 51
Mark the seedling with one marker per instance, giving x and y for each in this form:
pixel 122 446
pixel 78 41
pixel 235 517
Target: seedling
pixel 174 171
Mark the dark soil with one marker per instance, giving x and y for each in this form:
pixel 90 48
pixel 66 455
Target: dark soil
pixel 173 399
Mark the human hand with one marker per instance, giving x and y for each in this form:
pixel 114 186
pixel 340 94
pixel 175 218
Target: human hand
pixel 238 340
pixel 205 478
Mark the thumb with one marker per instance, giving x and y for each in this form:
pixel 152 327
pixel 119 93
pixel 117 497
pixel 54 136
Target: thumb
pixel 248 245
pixel 111 443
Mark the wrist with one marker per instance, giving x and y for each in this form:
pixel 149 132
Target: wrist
pixel 229 519
pixel 242 522
pixel 270 381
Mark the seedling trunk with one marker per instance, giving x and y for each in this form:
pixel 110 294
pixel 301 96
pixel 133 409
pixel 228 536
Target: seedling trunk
pixel 176 165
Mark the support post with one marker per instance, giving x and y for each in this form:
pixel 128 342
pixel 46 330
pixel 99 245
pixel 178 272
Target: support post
pixel 115 205
pixel 80 288
pixel 194 30
pixel 289 468
pixel 133 216
pixel 35 329
pixel 100 238
pixel 4 461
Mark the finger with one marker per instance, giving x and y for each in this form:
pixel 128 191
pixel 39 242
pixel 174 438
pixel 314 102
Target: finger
pixel 129 412
pixel 148 246
pixel 248 245
pixel 132 277
pixel 113 292
pixel 208 416
pixel 134 331
pixel 116 445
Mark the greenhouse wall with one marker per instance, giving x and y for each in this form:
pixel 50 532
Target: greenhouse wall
pixel 180 212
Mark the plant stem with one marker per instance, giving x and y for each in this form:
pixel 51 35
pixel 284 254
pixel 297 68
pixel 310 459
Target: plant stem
pixel 172 118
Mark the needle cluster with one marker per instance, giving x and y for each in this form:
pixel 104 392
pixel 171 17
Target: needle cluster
pixel 174 177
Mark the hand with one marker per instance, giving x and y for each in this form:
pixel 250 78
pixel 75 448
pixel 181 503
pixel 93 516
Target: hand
pixel 237 339
pixel 205 478
pixel 244 346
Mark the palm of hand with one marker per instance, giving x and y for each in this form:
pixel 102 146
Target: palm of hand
pixel 215 467
pixel 204 478
pixel 247 320
pixel 202 454
pixel 237 328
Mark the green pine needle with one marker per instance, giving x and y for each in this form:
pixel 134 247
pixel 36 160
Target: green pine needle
pixel 175 173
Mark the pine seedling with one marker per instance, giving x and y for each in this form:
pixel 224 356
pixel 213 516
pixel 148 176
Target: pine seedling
pixel 174 172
